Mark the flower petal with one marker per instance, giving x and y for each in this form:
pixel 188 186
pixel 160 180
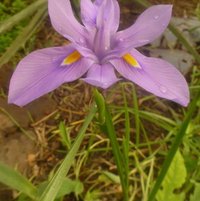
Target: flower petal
pixel 41 72
pixel 107 23
pixel 108 15
pixel 156 76
pixel 98 2
pixel 149 25
pixel 64 22
pixel 88 13
pixel 101 75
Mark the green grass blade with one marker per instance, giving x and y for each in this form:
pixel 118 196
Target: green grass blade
pixel 126 146
pixel 50 193
pixel 12 21
pixel 24 35
pixel 15 180
pixel 137 118
pixel 174 148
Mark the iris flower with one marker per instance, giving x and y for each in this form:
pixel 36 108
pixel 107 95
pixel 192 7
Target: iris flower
pixel 97 51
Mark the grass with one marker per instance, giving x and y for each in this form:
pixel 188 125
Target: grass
pixel 134 145
pixel 6 11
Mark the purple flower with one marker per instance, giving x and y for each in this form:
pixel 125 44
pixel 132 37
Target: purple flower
pixel 96 51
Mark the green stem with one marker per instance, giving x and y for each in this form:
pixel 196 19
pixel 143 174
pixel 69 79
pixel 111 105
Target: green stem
pixel 106 123
pixel 116 150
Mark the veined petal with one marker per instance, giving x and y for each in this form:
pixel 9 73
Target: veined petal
pixel 88 13
pixel 108 15
pixel 64 22
pixel 101 75
pixel 107 23
pixel 149 25
pixel 98 2
pixel 156 76
pixel 42 71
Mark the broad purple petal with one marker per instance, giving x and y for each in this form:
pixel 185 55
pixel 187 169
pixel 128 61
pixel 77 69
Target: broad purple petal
pixel 41 72
pixel 156 76
pixel 149 25
pixel 64 22
pixel 88 13
pixel 101 75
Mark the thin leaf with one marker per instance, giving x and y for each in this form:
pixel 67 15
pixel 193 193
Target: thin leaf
pixel 137 118
pixel 110 130
pixel 24 36
pixel 126 146
pixel 28 11
pixel 109 175
pixel 56 182
pixel 68 186
pixel 93 196
pixel 196 195
pixel 64 134
pixel 177 141
pixel 15 180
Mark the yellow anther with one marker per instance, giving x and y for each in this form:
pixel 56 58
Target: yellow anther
pixel 71 58
pixel 131 60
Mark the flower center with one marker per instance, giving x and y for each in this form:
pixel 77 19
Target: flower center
pixel 131 60
pixel 71 58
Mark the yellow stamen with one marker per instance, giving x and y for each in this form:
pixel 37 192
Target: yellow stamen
pixel 71 58
pixel 131 60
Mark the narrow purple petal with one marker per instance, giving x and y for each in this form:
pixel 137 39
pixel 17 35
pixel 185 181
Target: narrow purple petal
pixel 101 75
pixel 156 76
pixel 88 13
pixel 41 72
pixel 64 22
pixel 107 23
pixel 98 2
pixel 149 25
pixel 108 15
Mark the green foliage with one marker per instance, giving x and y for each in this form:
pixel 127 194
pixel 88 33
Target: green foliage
pixel 53 187
pixel 58 185
pixel 18 5
pixel 68 186
pixel 174 179
pixel 196 195
pixel 197 11
pixel 15 180
pixel 108 177
pixel 7 10
pixel 99 99
pixel 92 196
pixel 64 135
